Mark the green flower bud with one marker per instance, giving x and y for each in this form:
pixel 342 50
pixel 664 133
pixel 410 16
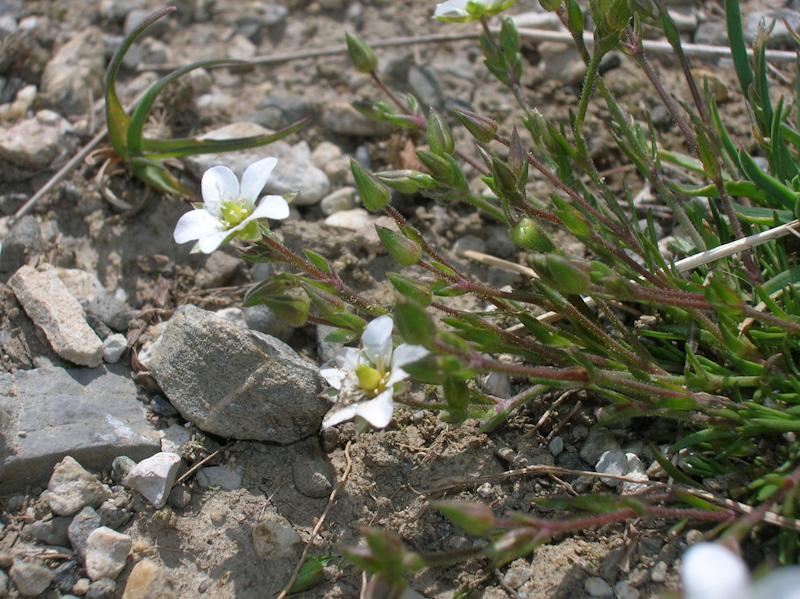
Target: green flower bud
pixel 404 251
pixel 475 519
pixel 482 128
pixel 374 194
pixel 564 275
pixel 550 5
pixel 443 168
pixel 438 134
pixel 361 55
pixel 406 181
pixel 528 235
pixel 504 179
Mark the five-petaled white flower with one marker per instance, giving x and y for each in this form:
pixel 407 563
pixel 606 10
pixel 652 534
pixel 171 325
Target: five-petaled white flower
pixel 712 571
pixel 367 376
pixel 464 11
pixel 229 210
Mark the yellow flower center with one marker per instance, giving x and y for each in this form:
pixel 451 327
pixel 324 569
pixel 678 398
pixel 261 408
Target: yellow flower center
pixel 233 213
pixel 371 380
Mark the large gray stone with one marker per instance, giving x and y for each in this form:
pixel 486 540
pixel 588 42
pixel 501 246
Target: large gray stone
pixel 294 173
pixel 46 414
pixel 74 75
pixel 34 143
pixel 234 382
pixel 52 308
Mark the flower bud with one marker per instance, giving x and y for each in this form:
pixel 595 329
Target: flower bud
pixel 550 5
pixel 482 128
pixel 406 181
pixel 475 519
pixel 528 235
pixel 404 251
pixel 361 55
pixel 564 275
pixel 504 179
pixel 374 194
pixel 443 168
pixel 438 135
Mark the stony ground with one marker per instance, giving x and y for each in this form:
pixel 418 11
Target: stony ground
pixel 157 440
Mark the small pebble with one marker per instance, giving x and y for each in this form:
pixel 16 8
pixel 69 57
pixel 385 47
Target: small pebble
pixel 694 536
pixel 113 347
pixel 624 590
pixel 31 579
pixel 659 572
pixel 556 446
pixel 597 587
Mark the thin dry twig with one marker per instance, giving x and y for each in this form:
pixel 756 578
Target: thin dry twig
pixel 703 51
pixel 200 464
pixel 331 500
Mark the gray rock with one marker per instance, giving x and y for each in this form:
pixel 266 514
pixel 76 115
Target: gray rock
pixel 179 497
pixel 113 515
pixel 343 119
pixel 712 33
pixel 313 477
pixel 90 414
pixel 780 36
pixel 264 320
pixel 469 243
pixel 154 477
pixel 3 583
pixel 326 350
pixel 274 538
pixel 35 143
pixel 599 441
pixel 341 199
pixel 105 588
pixel 425 86
pixel 561 63
pixel 223 477
pixel 162 407
pixel 51 532
pixel 174 438
pixel 72 488
pixel 498 243
pixel 233 382
pixel 635 469
pixel 219 269
pixel 277 112
pixel 612 462
pixel 113 348
pixel 497 384
pixel 83 524
pixel 294 173
pixel 659 572
pixel 74 74
pixel 31 579
pixel 556 446
pixel 106 553
pixel 120 467
pixel 624 590
pixel 113 313
pixel 21 245
pixel 597 587
pixel 53 309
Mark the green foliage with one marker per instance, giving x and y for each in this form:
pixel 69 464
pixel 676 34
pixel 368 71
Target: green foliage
pixel 144 156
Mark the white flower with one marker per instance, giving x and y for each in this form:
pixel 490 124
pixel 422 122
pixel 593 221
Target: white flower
pixel 370 374
pixel 463 11
pixel 712 571
pixel 230 210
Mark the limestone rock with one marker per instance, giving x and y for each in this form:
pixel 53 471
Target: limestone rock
pixel 51 306
pixel 72 488
pixel 233 382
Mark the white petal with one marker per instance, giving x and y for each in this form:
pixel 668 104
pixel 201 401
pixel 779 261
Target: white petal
pixel 274 207
pixel 451 8
pixel 219 184
pixel 194 225
pixel 337 415
pixel 348 358
pixel 378 411
pixel 333 376
pixel 783 583
pixel 711 571
pixel 404 354
pixel 211 242
pixel 255 177
pixel 376 341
